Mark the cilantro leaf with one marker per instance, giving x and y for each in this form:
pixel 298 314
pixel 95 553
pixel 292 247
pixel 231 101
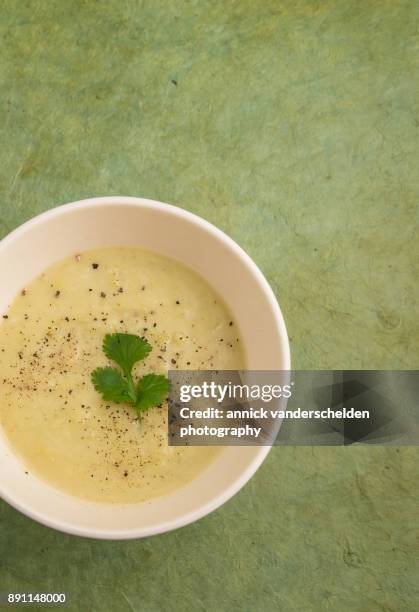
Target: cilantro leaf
pixel 110 384
pixel 152 390
pixel 125 350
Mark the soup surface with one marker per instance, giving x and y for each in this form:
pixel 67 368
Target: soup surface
pixel 51 340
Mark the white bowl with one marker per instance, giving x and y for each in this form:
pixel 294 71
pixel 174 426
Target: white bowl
pixel 176 233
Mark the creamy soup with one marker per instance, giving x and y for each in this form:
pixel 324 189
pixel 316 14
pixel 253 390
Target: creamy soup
pixel 51 340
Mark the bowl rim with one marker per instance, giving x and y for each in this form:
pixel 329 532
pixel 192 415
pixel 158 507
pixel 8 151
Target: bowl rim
pixel 225 495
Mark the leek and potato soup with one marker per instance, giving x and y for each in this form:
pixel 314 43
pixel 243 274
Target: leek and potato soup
pixel 51 341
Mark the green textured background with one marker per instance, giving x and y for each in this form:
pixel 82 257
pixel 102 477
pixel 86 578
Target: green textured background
pixel 293 126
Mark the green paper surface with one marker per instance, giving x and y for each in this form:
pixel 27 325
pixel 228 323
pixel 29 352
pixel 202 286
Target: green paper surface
pixel 294 127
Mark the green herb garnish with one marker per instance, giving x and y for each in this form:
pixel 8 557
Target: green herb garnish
pixel 126 350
